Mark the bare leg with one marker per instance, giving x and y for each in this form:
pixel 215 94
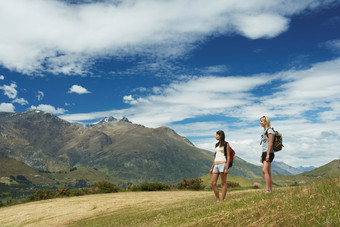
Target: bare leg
pixel 214 179
pixel 270 177
pixel 224 185
pixel 266 170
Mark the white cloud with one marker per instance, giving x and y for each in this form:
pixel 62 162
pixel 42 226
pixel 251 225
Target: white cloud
pixel 6 107
pixel 10 90
pixel 333 45
pixel 21 101
pixel 2 77
pixel 49 109
pixel 210 70
pixel 40 95
pixel 78 89
pixel 262 25
pixel 69 37
pixel 304 106
pixel 129 99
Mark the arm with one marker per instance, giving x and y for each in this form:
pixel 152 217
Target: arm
pixel 212 167
pixel 271 139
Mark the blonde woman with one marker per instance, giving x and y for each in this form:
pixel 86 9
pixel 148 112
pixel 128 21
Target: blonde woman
pixel 220 165
pixel 267 156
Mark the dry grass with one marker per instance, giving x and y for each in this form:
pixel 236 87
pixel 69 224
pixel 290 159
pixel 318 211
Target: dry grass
pixel 314 204
pixel 61 211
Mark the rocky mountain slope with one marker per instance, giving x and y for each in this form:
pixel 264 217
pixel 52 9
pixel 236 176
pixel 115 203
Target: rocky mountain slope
pixel 118 148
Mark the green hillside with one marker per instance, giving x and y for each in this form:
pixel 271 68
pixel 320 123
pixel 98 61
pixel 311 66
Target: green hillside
pixel 331 169
pixel 11 167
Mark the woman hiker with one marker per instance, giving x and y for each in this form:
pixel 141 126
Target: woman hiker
pixel 220 165
pixel 267 156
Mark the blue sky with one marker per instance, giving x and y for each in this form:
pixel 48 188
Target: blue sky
pixel 195 66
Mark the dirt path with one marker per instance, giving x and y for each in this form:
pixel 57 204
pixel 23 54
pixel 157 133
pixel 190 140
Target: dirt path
pixel 59 212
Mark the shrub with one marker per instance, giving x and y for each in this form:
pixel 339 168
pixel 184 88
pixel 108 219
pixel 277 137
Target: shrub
pixel 156 186
pixel 62 192
pixel 42 194
pixel 81 191
pixel 105 187
pixel 192 184
pixel 9 200
pixel 233 184
pixel 1 204
pixel 130 187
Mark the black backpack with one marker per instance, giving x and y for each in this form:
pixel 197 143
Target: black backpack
pixel 277 141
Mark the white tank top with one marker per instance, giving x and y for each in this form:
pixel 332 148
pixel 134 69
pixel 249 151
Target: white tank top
pixel 220 154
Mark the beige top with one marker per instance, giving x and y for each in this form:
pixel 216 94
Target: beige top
pixel 220 158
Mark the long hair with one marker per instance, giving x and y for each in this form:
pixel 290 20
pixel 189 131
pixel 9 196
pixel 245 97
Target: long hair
pixel 221 142
pixel 267 120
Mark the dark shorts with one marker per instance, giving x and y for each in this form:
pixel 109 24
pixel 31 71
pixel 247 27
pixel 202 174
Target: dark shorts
pixel 271 156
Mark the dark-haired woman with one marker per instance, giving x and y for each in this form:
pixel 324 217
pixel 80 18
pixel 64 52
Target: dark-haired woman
pixel 220 165
pixel 267 155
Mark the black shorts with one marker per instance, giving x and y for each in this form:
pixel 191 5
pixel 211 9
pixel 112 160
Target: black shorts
pixel 271 156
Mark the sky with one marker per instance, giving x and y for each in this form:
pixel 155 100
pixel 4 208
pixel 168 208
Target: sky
pixel 195 66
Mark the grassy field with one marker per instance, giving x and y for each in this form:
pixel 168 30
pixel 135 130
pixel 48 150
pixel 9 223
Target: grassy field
pixel 278 180
pixel 316 203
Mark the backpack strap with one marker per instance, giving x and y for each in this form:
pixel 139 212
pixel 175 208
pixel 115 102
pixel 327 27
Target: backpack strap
pixel 267 131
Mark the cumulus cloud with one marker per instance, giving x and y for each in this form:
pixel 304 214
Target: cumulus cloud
pixel 6 107
pixel 262 25
pixel 10 90
pixel 2 77
pixel 49 109
pixel 78 89
pixel 70 36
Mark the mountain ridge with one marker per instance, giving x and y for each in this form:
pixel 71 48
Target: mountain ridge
pixel 283 168
pixel 118 148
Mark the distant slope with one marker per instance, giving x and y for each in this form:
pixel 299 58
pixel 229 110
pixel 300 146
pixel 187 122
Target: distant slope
pixel 331 169
pixel 283 168
pixel 11 167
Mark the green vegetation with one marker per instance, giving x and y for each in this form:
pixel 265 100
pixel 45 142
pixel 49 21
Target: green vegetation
pixel 105 187
pixel 156 186
pixel 313 204
pixel 331 169
pixel 192 184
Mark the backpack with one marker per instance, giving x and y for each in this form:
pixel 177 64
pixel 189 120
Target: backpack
pixel 232 154
pixel 277 141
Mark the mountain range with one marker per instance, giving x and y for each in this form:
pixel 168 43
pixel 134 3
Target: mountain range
pixel 121 150
pixel 283 168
